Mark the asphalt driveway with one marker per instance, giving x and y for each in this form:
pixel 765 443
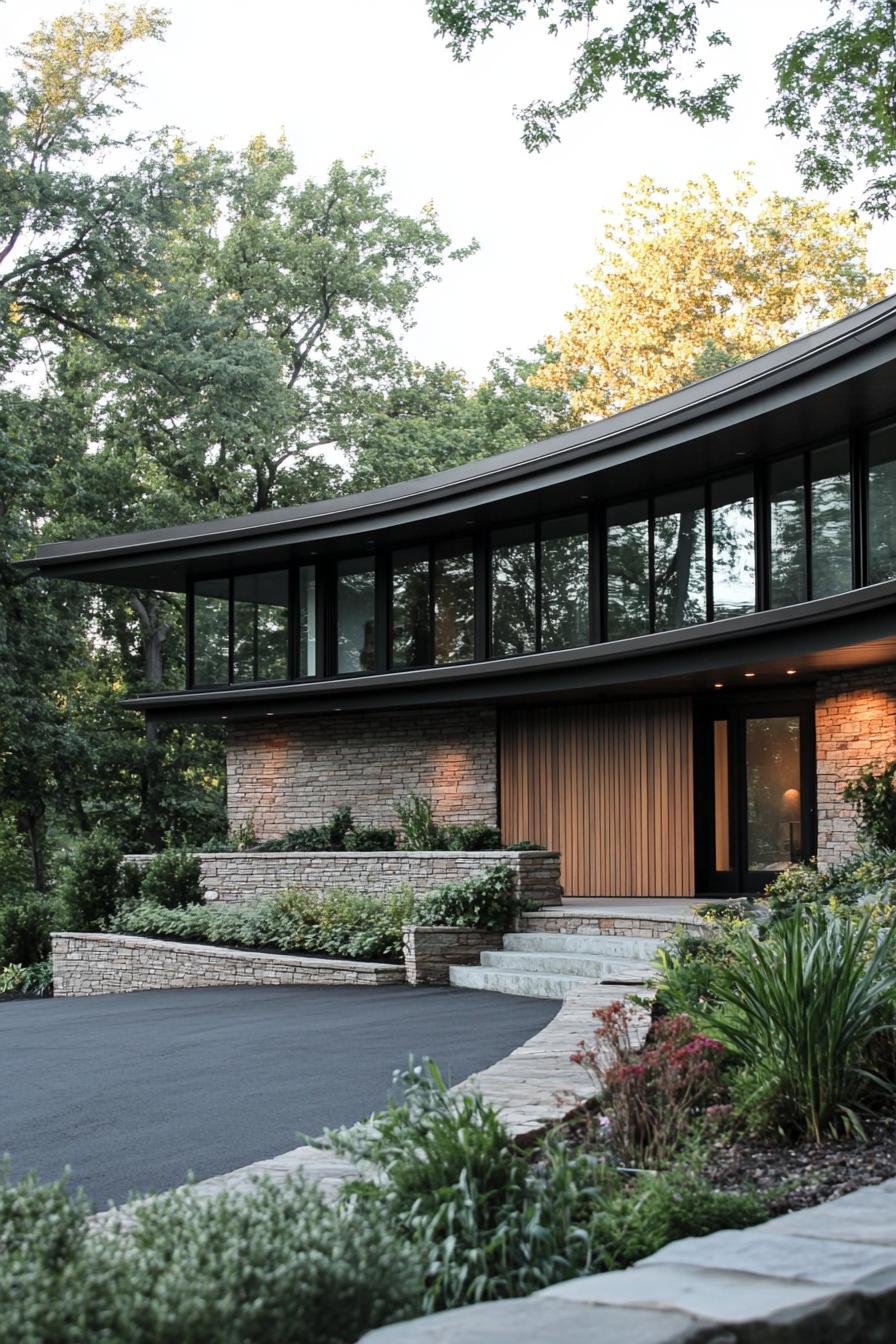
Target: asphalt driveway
pixel 135 1091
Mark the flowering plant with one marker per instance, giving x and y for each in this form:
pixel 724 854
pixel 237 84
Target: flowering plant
pixel 655 1097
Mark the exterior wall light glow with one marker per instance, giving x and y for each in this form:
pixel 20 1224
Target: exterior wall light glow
pixel 791 671
pixel 749 674
pixel 718 685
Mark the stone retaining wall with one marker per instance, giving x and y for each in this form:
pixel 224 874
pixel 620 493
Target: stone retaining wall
pixel 283 775
pixel 249 876
pixel 624 926
pixel 114 963
pixel 430 950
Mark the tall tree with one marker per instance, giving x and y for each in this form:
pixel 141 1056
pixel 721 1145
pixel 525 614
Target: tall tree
pixel 834 82
pixel 693 280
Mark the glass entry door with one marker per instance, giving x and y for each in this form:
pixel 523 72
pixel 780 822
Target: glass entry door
pixel 754 793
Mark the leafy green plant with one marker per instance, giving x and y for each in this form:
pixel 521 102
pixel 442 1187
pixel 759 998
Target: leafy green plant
pixel 800 1009
pixel 525 845
pixel 96 881
pixel 418 825
pixel 487 901
pixel 25 927
pixel 493 1223
pixel 475 835
pixel 370 838
pixel 873 795
pixel 36 979
pixel 172 878
pixel 272 1265
pixel 330 835
pixel 16 871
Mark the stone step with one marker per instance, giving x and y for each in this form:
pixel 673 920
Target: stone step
pixel 604 945
pixel 527 984
pixel 602 969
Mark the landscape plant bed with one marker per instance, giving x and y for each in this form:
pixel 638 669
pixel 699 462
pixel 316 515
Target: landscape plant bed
pixel 270 950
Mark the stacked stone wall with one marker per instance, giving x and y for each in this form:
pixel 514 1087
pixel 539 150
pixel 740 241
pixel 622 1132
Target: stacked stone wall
pixel 112 963
pixel 855 725
pixel 430 951
pixel 245 877
pixel 288 774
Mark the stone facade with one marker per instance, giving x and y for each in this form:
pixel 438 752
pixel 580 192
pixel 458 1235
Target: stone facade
pixel 247 876
pixel 855 725
pixel 429 951
pixel 114 963
pixel 295 773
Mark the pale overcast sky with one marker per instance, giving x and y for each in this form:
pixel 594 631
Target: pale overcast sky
pixel 343 78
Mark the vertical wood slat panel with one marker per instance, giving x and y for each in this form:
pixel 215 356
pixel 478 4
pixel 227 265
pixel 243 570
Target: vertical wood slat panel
pixel 611 787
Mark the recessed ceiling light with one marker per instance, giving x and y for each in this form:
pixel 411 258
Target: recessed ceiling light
pixel 791 671
pixel 718 685
pixel 584 496
pixel 749 674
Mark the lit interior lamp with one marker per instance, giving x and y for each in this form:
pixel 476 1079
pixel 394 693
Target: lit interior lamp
pixel 790 803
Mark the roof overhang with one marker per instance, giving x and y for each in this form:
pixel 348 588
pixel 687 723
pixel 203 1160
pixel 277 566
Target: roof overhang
pixel 814 389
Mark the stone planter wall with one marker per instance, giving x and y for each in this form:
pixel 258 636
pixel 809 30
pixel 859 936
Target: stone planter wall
pixel 430 950
pixel 248 876
pixel 115 963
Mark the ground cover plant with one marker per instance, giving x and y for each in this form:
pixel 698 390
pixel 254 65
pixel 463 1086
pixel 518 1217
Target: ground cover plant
pixel 278 1265
pixel 495 1221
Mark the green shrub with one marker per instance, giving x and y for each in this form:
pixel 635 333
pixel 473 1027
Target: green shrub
pixel 525 845
pixel 801 1009
pixel 36 979
pixel 495 1224
pixel 873 795
pixel 16 870
pixel 418 826
pixel 488 901
pixel 338 923
pixel 476 835
pixel 172 878
pixel 370 837
pixel 96 882
pixel 328 836
pixel 277 1265
pixel 25 927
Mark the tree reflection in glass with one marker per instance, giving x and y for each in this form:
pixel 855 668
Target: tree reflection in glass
pixel 513 591
pixel 733 547
pixel 831 495
pixel 261 626
pixel 628 570
pixel 679 559
pixel 211 632
pixel 565 605
pixel 410 607
pixel 454 601
pixel 355 615
pixel 882 505
pixel 787 532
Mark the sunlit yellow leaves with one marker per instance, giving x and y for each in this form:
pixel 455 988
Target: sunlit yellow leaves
pixel 692 279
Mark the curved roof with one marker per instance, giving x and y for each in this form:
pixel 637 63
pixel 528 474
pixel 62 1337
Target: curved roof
pixel 714 410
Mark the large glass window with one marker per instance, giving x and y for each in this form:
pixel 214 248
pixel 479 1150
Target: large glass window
pixel 628 570
pixel 831 519
pixel 211 632
pixel 882 505
pixel 787 532
pixel 513 591
pixel 453 601
pixel 679 559
pixel 410 607
pixel 565 604
pixel 307 622
pixel 261 626
pixel 733 547
pixel 355 615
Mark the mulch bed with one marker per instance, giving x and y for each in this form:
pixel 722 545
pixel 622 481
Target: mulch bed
pixel 806 1174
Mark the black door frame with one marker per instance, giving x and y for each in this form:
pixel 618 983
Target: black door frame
pixel 736 708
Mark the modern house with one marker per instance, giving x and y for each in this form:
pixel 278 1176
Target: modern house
pixel 660 644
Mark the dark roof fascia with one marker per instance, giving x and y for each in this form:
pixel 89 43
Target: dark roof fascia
pixel 864 615
pixel 836 353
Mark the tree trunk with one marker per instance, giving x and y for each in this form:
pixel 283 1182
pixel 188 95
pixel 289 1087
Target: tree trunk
pixel 30 821
pixel 154 631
